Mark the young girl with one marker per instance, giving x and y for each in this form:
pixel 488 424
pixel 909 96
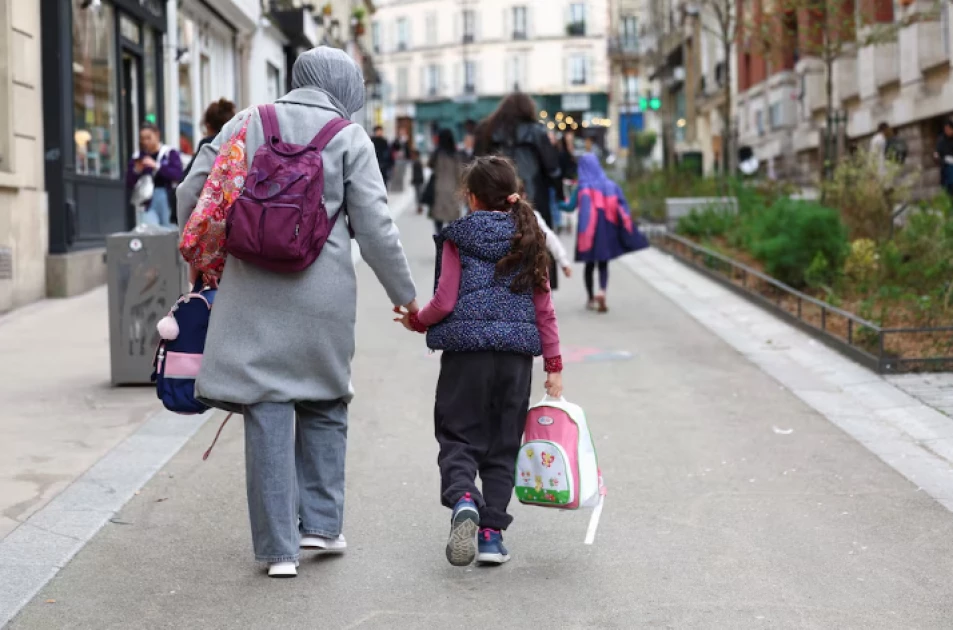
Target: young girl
pixel 492 312
pixel 606 230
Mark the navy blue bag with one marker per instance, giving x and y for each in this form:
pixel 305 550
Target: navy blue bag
pixel 179 355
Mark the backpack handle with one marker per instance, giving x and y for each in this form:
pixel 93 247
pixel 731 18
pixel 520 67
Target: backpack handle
pixel 327 133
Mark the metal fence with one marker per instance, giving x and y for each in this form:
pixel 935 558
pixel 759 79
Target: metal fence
pixel 885 350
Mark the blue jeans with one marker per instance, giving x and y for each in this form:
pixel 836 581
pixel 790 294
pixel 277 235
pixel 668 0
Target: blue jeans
pixel 554 210
pixel 294 474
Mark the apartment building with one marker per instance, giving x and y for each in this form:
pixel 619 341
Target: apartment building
pixel 23 205
pixel 625 90
pixel 444 62
pixel 906 81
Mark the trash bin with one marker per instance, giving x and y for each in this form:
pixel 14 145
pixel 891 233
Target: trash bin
pixel 146 275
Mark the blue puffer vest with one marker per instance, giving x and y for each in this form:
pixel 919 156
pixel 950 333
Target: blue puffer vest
pixel 488 316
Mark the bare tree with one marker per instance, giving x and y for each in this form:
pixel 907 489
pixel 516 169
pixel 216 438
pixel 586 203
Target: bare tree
pixel 724 25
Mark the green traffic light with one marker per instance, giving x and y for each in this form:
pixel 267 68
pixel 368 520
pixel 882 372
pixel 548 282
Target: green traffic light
pixel 655 104
pixel 643 103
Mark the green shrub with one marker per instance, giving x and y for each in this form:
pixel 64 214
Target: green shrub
pixel 789 236
pixel 710 222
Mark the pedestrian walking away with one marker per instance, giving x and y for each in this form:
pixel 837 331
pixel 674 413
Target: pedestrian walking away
pixel 447 169
pixel 153 172
pixel 292 381
pixel 512 130
pixel 417 179
pixel 492 312
pixel 606 229
pixel 385 157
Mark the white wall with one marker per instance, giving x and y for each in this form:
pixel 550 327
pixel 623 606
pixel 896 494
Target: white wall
pixel 266 49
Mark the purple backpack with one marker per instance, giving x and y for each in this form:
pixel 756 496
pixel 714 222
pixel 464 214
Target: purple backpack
pixel 279 222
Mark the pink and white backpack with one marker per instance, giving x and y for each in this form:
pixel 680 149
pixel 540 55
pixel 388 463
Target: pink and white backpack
pixel 557 465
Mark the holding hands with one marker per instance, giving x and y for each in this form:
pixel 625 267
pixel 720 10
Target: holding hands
pixel 404 313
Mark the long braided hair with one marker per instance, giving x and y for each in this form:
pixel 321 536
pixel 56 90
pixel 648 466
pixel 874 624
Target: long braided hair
pixel 495 184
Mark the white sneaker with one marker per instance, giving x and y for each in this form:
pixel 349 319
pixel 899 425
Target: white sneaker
pixel 319 543
pixel 283 569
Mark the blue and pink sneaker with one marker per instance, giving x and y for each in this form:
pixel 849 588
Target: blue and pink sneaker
pixel 464 525
pixel 490 547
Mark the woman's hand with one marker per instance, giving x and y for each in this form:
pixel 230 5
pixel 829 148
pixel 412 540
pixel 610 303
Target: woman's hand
pixel 412 307
pixel 567 271
pixel 554 384
pixel 148 162
pixel 403 317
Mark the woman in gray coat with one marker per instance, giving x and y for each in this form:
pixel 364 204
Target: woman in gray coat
pixel 279 346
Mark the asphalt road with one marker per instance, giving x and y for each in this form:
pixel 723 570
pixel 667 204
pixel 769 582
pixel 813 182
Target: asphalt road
pixel 731 505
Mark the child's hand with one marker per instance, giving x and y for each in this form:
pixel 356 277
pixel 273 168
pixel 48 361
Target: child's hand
pixel 567 271
pixel 554 384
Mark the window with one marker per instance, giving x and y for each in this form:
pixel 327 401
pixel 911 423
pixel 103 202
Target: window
pixel 630 89
pixel 403 34
pixel 759 122
pixel 515 74
pixel 95 92
pixel 187 41
pixel 577 70
pixel 205 77
pixel 402 83
pixel 519 23
pixel 274 81
pixel 433 80
pixel 376 37
pixel 774 116
pixel 469 77
pixel 431 29
pixel 577 19
pixel 629 33
pixel 469 26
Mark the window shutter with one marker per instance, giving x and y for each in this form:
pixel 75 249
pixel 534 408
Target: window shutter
pixel 459 77
pixel 476 76
pixel 423 81
pixel 477 24
pixel 530 23
pixel 457 26
pixel 508 23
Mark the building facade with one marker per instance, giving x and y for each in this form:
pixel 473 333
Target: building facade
pixel 626 94
pixel 23 202
pixel 446 62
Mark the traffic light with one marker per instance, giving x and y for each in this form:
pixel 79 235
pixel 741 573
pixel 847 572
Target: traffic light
pixel 643 104
pixel 655 104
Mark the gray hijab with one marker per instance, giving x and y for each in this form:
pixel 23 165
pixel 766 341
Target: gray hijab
pixel 333 72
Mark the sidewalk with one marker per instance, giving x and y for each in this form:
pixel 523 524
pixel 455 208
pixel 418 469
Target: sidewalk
pixel 58 413
pixel 732 504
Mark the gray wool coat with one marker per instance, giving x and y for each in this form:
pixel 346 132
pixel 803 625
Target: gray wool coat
pixel 290 337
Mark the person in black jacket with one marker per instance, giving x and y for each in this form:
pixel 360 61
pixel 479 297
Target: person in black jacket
pixel 513 130
pixel 385 158
pixel 417 178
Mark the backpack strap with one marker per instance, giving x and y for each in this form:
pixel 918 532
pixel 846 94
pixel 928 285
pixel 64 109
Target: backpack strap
pixel 269 122
pixel 328 132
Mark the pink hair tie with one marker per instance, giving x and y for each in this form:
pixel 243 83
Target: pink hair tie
pixel 513 198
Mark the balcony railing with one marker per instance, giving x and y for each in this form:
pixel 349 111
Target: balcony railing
pixel 576 29
pixel 519 35
pixel 468 38
pixel 623 48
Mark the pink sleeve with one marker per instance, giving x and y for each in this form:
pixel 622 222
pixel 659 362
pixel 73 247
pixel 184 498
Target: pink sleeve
pixel 546 323
pixel 448 288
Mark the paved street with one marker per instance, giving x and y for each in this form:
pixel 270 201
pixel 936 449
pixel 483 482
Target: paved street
pixel 732 504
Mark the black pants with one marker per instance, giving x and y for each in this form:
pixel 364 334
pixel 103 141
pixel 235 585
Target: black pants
pixel 603 277
pixel 482 400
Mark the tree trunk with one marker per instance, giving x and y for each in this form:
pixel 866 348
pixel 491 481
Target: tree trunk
pixel 829 139
pixel 727 151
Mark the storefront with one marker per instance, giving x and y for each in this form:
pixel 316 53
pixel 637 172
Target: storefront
pixel 102 78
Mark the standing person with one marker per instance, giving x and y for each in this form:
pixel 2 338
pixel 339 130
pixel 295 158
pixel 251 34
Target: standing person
pixel 491 314
pixel 292 380
pixel 401 147
pixel 606 230
pixel 417 178
pixel 153 173
pixel 878 146
pixel 568 166
pixel 466 153
pixel 216 115
pixel 943 155
pixel 445 164
pixel 512 130
pixel 385 160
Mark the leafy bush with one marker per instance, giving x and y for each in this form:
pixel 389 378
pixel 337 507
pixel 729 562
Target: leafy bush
pixel 866 190
pixel 710 222
pixel 862 262
pixel 789 236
